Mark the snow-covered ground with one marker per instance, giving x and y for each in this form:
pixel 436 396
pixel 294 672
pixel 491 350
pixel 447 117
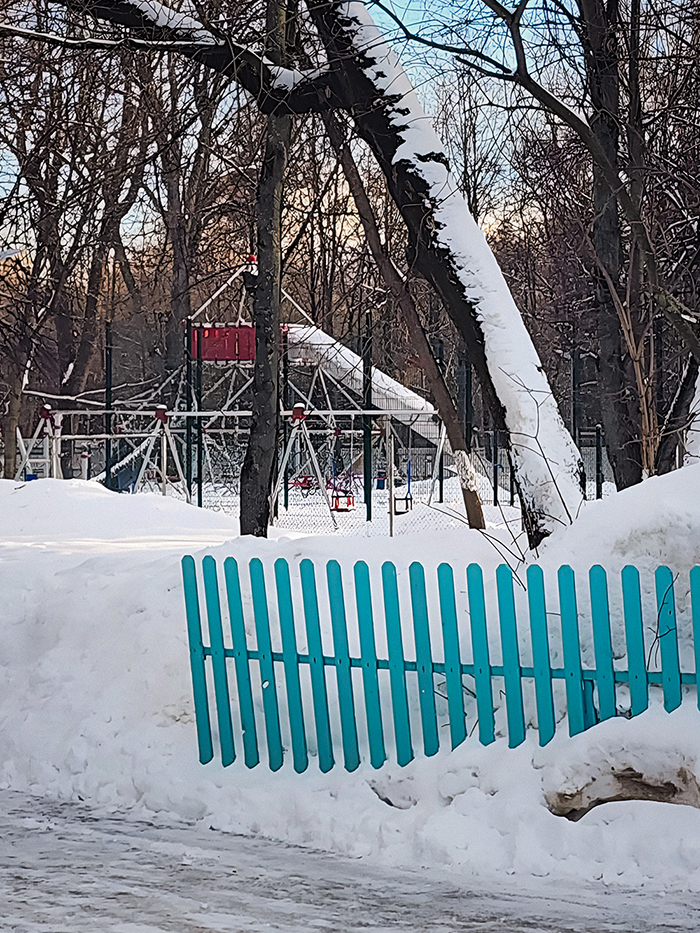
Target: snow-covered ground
pixel 95 708
pixel 64 869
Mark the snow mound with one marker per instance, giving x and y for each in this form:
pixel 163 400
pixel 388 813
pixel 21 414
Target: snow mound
pixel 95 695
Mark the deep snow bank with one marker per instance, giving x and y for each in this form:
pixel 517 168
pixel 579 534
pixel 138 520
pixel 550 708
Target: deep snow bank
pixel 95 698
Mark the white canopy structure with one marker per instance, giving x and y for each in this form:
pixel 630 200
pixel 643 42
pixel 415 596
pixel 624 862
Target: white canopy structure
pixel 312 346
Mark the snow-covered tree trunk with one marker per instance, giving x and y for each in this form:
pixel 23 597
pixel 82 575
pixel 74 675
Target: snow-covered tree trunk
pixel 450 250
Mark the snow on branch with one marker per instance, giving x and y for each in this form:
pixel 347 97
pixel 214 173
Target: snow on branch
pixel 153 25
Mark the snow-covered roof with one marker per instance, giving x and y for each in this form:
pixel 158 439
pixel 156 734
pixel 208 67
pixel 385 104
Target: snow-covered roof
pixel 308 344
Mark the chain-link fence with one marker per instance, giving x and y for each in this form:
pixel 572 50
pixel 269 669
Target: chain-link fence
pixel 322 486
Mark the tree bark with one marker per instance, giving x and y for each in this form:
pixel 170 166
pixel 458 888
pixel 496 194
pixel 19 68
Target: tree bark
pixel 621 418
pixel 261 454
pixel 10 423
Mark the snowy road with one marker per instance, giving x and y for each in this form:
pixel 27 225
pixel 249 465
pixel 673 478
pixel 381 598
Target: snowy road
pixel 66 870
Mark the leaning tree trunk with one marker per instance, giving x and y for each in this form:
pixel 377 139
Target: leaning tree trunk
pixel 451 252
pixel 394 282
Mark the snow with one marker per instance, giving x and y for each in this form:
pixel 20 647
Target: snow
pixel 65 868
pixel 95 697
pixel 165 17
pixel 545 457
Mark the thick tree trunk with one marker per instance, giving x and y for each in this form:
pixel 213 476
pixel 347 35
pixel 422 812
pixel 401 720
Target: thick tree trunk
pixel 10 423
pixel 180 285
pixel 451 252
pixel 394 282
pixel 619 403
pixel 261 455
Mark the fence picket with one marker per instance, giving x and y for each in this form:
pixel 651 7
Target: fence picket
pixel 634 638
pixel 319 691
pixel 346 701
pixel 397 665
pixel 368 658
pixel 290 659
pixel 197 661
pixel 695 606
pixel 275 754
pixel 542 667
pixel 218 661
pixel 511 657
pixel 480 648
pixel 668 639
pixel 424 659
pixel 573 672
pixel 602 642
pixel 453 661
pixel 246 708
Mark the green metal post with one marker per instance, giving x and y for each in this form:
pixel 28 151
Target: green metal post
pixel 188 405
pixel 200 426
pixel 108 404
pixel 366 418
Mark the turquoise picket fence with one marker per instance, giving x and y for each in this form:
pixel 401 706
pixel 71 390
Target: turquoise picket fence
pixel 406 694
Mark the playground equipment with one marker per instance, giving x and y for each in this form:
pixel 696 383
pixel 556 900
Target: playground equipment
pixel 48 430
pixel 161 430
pixel 299 429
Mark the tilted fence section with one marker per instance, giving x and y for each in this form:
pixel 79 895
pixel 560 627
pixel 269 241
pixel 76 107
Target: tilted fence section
pixel 354 682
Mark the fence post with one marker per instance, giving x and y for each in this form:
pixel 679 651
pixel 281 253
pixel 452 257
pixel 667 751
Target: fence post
pixel 188 406
pixel 290 660
pixel 319 690
pixel 668 639
pixel 598 462
pixel 346 702
pixel 266 664
pixel 511 657
pixel 453 662
pixel 366 347
pixel 634 638
pixel 246 707
pixel 542 669
pixel 218 660
pixel 368 652
pixel 424 659
pixel 494 453
pixel 397 665
pixel 199 423
pixel 199 676
pixel 573 673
